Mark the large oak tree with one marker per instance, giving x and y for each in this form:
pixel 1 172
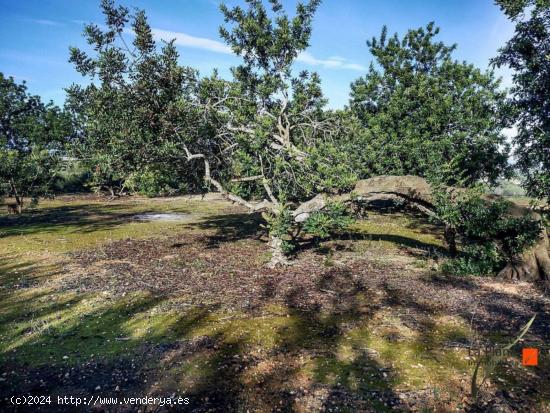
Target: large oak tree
pixel 279 143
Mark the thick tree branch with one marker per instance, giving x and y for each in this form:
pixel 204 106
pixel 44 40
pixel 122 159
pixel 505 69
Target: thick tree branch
pixel 264 205
pixel 534 264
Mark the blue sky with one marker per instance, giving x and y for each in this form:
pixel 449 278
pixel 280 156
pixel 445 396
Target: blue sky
pixel 35 36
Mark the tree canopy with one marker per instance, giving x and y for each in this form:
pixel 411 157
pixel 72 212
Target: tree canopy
pixel 32 137
pixel 130 109
pixel 427 114
pixel 527 53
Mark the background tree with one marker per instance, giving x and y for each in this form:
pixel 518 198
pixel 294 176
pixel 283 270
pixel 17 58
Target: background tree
pixel 32 138
pixel 427 114
pixel 129 111
pixel 528 54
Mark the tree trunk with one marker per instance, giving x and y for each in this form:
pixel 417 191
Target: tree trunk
pixel 450 239
pixel 278 257
pixel 18 198
pixel 533 265
pixel 19 202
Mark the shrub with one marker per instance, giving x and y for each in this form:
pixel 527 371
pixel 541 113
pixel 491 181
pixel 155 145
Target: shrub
pixel 333 218
pixel 321 224
pixel 491 237
pixel 281 226
pixel 151 184
pixel 475 260
pixel 73 177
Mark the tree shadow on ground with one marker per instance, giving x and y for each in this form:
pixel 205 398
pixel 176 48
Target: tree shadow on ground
pixel 22 273
pixel 90 348
pixel 83 218
pixel 303 371
pixel 291 353
pixel 230 228
pixel 397 240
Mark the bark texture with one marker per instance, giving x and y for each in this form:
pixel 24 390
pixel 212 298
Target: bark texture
pixel 278 257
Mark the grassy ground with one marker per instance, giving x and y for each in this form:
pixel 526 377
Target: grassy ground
pixel 96 303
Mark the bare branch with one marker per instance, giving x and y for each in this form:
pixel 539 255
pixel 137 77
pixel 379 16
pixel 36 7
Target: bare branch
pixel 243 129
pixel 247 178
pixel 292 150
pixel 267 188
pixel 264 205
pixel 270 192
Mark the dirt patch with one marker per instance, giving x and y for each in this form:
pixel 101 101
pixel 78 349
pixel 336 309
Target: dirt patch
pixel 166 216
pixel 234 274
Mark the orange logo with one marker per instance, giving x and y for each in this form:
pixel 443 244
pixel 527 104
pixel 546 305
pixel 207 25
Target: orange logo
pixel 530 357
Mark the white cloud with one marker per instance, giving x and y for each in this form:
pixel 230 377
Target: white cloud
pixel 187 40
pixel 333 62
pixel 183 39
pixel 45 22
pixel 355 66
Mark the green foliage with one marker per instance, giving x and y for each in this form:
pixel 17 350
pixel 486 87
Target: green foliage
pixel 333 218
pixel 280 224
pixel 32 140
pixel 150 183
pixel 331 168
pixel 427 114
pixel 72 177
pixel 476 259
pixel 130 112
pixel 491 236
pixel 157 180
pixel 527 54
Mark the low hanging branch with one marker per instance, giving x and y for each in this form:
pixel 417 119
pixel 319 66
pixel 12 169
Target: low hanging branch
pixel 262 206
pixel 532 265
